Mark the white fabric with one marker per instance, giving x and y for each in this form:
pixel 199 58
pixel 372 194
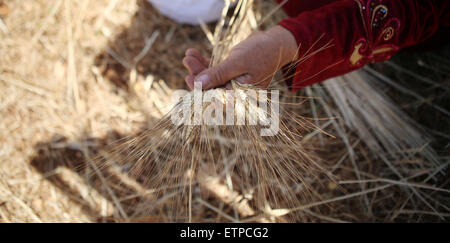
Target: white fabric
pixel 190 11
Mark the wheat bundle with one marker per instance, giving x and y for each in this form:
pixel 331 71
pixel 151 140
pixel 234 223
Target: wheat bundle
pixel 269 172
pixel 69 89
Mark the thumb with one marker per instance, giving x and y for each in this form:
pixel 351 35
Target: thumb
pixel 220 74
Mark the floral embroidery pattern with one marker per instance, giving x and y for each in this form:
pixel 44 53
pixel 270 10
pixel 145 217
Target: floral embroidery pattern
pixel 379 28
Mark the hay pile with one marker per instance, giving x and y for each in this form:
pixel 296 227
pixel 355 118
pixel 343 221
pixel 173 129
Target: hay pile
pixel 76 76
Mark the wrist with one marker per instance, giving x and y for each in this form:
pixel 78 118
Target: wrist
pixel 285 42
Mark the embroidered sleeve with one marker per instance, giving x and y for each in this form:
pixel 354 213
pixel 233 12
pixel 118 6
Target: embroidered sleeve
pixel 379 28
pixel 345 35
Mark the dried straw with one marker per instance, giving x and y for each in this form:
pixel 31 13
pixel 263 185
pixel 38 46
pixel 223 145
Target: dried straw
pixel 77 75
pixel 265 168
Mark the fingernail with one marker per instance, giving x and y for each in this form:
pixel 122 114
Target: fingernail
pixel 204 79
pixel 189 52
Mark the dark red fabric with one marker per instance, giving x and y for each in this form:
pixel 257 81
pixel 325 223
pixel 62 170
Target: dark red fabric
pixel 294 8
pixel 356 32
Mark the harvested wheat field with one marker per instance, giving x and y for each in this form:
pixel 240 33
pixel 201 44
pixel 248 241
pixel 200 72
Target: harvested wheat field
pixel 85 93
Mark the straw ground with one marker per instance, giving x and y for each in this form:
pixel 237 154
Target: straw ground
pixel 76 76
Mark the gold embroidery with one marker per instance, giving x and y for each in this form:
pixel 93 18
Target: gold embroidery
pixel 388 33
pixel 378 30
pixel 377 10
pixel 383 50
pixel 356 56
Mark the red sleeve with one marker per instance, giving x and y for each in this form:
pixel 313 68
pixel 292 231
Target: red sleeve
pixel 295 7
pixel 344 35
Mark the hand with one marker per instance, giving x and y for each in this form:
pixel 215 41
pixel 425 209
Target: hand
pixel 253 61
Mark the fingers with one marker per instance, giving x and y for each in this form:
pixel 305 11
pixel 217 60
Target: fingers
pixel 229 86
pixel 196 53
pixel 244 79
pixel 193 65
pixel 190 81
pixel 220 74
pixel 196 63
pixel 261 82
pixel 217 76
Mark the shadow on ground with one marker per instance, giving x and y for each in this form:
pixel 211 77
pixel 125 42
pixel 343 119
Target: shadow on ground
pixel 115 62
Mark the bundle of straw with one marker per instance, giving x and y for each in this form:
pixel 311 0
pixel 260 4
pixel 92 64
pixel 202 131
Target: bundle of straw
pixel 271 172
pixel 263 178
